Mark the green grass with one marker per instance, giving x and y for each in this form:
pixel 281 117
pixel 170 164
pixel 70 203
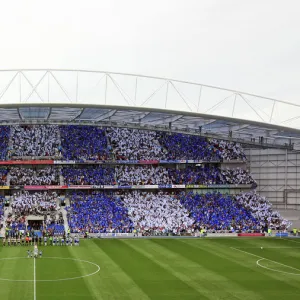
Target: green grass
pixel 166 269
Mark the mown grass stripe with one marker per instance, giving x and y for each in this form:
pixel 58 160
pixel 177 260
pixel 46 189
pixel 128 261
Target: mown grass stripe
pixel 157 269
pixel 52 269
pixel 242 269
pixel 154 280
pixel 112 282
pixel 185 270
pixel 15 269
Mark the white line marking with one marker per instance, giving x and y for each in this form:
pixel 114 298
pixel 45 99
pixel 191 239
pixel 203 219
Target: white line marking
pixel 268 247
pixel 34 280
pixel 265 258
pixel 53 280
pixel 279 271
pixel 290 240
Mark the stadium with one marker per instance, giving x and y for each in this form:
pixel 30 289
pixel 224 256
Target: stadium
pixel 138 187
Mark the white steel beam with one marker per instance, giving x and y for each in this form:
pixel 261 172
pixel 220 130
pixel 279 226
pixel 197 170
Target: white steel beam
pixel 106 115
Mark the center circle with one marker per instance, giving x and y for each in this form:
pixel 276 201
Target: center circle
pixel 53 280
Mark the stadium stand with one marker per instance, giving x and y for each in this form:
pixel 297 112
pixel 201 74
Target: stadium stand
pixel 262 210
pixel 98 213
pixel 145 175
pixel 4 140
pixel 3 176
pixel 37 204
pixel 42 140
pixel 133 144
pixel 76 142
pixel 141 175
pixel 215 211
pixel 92 175
pixel 228 150
pixel 56 226
pixel 125 175
pixel 157 211
pixel 163 212
pixel 210 175
pixel 180 146
pixel 83 143
pixel 34 176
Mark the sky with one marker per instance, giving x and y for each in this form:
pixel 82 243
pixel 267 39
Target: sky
pixel 252 46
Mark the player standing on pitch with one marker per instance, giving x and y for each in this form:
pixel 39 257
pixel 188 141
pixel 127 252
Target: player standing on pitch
pixel 35 251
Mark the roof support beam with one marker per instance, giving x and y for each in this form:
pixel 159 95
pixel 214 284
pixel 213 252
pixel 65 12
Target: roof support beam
pixel 49 114
pixel 165 120
pixel 106 115
pixel 208 122
pixel 19 113
pixel 137 117
pixel 238 127
pixel 34 87
pixel 79 115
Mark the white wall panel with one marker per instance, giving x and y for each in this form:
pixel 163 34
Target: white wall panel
pixel 276 171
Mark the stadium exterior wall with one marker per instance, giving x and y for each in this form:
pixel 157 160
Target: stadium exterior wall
pixel 276 173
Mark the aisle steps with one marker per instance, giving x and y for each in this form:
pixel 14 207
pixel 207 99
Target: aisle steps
pixel 64 213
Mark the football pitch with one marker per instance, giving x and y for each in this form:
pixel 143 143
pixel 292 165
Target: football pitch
pixel 155 269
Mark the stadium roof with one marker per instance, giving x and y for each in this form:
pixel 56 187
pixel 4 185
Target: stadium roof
pixel 106 98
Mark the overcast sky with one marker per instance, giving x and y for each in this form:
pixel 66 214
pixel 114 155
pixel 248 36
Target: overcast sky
pixel 252 46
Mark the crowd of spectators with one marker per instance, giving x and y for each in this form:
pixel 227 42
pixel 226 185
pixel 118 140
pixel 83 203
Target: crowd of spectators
pixel 156 211
pixel 141 175
pixel 134 144
pixel 261 209
pixel 4 140
pixel 206 174
pixel 3 176
pixel 84 143
pixel 147 175
pixel 195 175
pixel 121 212
pixel 236 176
pixel 105 212
pixel 37 203
pixel 15 224
pixel 35 140
pixel 55 225
pixel 124 175
pixel 97 213
pixel 91 175
pixel 76 142
pixel 154 175
pixel 163 212
pixel 228 150
pixel 182 146
pixel 25 204
pixel 34 176
pixel 216 211
pixel 243 212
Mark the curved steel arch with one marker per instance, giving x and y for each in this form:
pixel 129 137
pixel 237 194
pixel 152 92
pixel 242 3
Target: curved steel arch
pixel 134 90
pixel 152 77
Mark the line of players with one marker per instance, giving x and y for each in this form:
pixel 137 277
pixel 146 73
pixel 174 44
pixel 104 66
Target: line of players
pixel 61 241
pixel 46 241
